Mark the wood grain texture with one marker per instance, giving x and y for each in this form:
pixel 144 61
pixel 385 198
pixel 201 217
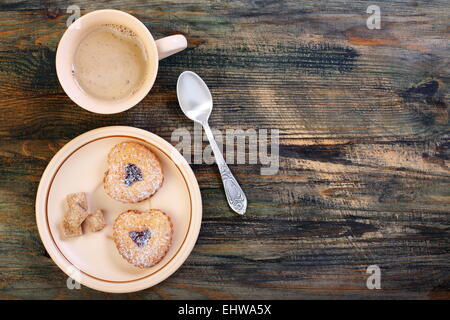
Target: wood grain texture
pixel 364 145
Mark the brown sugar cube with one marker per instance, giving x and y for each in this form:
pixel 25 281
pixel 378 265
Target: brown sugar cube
pixel 75 216
pixel 95 221
pixel 69 231
pixel 77 209
pixel 79 198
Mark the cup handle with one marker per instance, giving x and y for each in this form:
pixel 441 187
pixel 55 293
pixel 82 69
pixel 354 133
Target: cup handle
pixel 170 45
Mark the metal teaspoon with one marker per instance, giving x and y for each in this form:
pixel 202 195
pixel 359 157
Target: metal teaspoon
pixel 196 103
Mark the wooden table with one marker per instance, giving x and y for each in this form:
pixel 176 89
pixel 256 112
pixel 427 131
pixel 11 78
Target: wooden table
pixel 364 176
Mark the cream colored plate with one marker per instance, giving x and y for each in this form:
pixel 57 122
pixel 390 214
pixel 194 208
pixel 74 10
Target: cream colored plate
pixel 93 259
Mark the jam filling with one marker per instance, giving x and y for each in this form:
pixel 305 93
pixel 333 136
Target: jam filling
pixel 132 174
pixel 140 237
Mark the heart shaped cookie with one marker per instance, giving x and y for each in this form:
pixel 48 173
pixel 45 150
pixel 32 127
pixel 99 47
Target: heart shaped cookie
pixel 143 238
pixel 134 173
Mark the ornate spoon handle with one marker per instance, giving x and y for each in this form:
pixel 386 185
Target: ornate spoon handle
pixel 235 196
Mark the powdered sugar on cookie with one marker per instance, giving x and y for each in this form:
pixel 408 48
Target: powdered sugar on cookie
pixel 143 238
pixel 134 173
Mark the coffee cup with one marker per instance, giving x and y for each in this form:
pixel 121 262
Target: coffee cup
pixel 81 78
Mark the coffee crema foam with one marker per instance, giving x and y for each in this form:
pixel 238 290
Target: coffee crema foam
pixel 110 62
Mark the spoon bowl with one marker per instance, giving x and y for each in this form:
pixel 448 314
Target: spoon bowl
pixel 194 97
